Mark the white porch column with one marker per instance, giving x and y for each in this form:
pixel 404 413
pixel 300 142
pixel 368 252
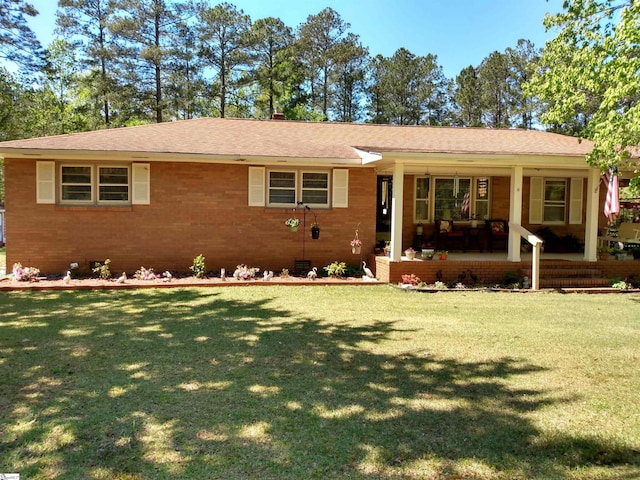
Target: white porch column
pixel 515 214
pixel 396 212
pixel 591 220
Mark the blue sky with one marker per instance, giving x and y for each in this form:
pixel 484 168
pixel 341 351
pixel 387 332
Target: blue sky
pixel 459 32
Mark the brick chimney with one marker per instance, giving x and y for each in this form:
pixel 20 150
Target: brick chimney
pixel 277 115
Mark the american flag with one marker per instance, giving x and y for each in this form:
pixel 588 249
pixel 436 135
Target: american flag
pixel 465 204
pixel 612 201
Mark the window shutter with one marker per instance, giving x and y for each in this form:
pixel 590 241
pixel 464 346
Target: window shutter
pixel 340 188
pixel 536 200
pixel 45 182
pixel 575 201
pixel 256 186
pixel 140 180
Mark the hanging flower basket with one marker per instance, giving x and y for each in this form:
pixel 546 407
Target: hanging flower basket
pixel 356 245
pixel 315 231
pixel 292 223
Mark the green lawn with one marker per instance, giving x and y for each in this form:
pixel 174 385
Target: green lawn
pixel 313 382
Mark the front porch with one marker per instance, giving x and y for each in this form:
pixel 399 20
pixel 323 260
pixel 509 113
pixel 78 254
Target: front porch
pixel 557 269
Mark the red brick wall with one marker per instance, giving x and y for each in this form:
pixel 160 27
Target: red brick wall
pixel 195 208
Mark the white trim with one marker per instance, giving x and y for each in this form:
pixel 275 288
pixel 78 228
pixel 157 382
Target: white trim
pixel 92 182
pixel 46 182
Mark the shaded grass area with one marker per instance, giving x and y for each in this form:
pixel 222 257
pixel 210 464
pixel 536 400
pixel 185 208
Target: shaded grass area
pixel 319 382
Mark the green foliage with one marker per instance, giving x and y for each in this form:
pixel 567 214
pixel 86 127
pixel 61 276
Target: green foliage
pixel 590 72
pixel 512 280
pixel 198 268
pixel 336 269
pixel 102 269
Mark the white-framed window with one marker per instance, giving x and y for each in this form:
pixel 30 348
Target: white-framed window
pixel 454 198
pixel 285 188
pixel 99 184
pixel 76 184
pixel 113 184
pixel 555 201
pixel 421 203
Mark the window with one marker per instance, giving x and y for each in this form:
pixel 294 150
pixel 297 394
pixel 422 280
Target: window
pixel 481 209
pixel 76 184
pixel 287 188
pixel 315 188
pixel 555 195
pixel 113 184
pixel 83 184
pixel 282 188
pixel 452 198
pixel 421 205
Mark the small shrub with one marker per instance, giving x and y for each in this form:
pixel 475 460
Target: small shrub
pixel 512 280
pixel 440 285
pixel 336 269
pixel 198 268
pixel 102 269
pixel 284 273
pixel 621 285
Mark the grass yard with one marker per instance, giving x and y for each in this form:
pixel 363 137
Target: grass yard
pixel 312 382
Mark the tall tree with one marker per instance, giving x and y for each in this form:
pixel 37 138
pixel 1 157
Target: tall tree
pixel 595 58
pixel 493 75
pixel 18 43
pixel 88 21
pixel 146 27
pixel 319 39
pixel 467 98
pixel 350 62
pixel 270 41
pixel 223 33
pixel 522 61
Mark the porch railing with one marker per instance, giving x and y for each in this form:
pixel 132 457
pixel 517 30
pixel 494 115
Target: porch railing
pixel 536 244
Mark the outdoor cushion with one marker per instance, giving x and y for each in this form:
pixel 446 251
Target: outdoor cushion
pixel 497 227
pixel 445 226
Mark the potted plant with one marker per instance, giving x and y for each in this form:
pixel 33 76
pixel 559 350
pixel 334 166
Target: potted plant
pixel 443 254
pixel 356 244
pixel 315 231
pixel 604 253
pixel 293 223
pixel 428 251
pixel 410 253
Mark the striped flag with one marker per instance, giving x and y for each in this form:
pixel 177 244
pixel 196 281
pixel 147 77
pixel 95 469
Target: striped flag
pixel 465 204
pixel 612 201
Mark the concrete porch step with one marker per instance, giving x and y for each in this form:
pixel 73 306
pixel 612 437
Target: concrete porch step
pixel 569 275
pixel 574 282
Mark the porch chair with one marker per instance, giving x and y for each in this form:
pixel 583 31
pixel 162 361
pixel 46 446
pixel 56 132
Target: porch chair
pixel 448 237
pixel 497 232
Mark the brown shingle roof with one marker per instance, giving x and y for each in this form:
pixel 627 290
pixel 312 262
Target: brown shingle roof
pixel 260 138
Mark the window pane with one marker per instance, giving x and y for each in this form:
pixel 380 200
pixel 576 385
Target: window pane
pixel 554 190
pixel 76 175
pixel 282 196
pixel 114 193
pixel 282 179
pixel 119 176
pixel 76 192
pixel 421 210
pixel 554 213
pixel 315 180
pixel 315 197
